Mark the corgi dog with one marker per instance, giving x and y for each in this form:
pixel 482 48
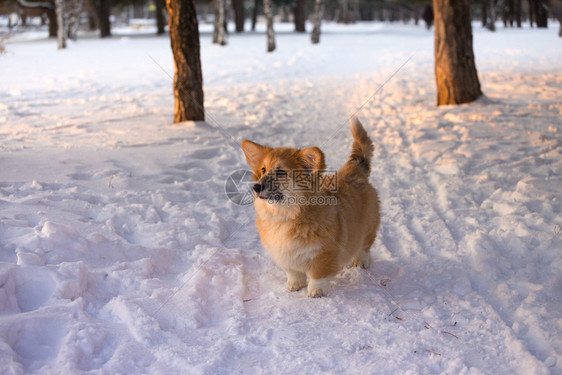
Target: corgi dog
pixel 311 223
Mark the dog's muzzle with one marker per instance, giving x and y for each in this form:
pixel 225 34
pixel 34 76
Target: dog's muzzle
pixel 266 190
pixel 258 188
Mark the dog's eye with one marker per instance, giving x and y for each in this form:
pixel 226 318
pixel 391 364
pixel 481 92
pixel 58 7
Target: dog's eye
pixel 263 170
pixel 280 173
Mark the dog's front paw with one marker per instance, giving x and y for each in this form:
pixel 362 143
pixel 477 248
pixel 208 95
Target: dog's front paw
pixel 296 281
pixel 294 285
pixel 318 288
pixel 316 293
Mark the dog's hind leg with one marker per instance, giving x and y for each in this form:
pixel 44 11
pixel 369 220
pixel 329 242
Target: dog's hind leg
pixel 362 259
pixel 320 271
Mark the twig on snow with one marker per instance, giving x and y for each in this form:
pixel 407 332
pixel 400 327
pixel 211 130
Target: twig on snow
pixel 434 352
pixel 449 333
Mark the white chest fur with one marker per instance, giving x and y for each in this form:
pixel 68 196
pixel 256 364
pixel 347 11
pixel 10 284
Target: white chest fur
pixel 289 253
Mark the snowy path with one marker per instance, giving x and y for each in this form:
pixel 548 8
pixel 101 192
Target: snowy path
pixel 119 252
pixel 438 277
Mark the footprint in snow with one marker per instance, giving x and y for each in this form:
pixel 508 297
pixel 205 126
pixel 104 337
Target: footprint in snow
pixel 33 288
pixel 38 339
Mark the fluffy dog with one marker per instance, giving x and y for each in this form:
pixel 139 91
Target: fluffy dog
pixel 311 223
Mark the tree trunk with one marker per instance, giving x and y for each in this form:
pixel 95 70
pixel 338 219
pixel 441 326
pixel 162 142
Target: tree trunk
pixel 484 13
pixel 300 16
pixel 517 12
pixel 255 14
pixel 268 10
pixel 219 36
pixel 531 12
pixel 491 24
pixel 541 13
pixel 239 16
pixel 355 10
pixel 61 37
pixel 285 11
pixel 160 19
pixel 317 21
pixel 511 11
pixel 76 7
pixel 104 11
pixel 455 70
pixel 92 15
pixel 53 27
pixel 188 79
pixel 344 16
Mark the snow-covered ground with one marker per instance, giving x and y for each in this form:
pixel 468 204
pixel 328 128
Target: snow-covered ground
pixel 120 252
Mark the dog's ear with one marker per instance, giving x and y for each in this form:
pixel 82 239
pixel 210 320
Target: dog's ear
pixel 312 158
pixel 254 153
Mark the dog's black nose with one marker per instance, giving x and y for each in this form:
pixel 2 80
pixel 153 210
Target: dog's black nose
pixel 258 187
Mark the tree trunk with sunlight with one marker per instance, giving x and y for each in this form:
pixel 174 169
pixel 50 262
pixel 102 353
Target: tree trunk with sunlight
pixel 455 70
pixel 188 79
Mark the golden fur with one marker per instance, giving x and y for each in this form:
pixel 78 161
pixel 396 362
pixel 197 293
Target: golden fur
pixel 310 223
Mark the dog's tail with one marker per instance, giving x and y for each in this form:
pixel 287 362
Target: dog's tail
pixel 359 162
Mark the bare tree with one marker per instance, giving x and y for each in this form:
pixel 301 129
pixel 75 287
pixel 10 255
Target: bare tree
pixel 531 13
pixel 484 12
pixel 300 16
pixel 219 35
pixel 517 12
pixel 316 21
pixel 61 37
pixel 489 14
pixel 268 10
pixel 348 10
pixel 74 10
pixel 188 79
pixel 92 11
pixel 239 15
pixel 160 19
pixel 255 14
pixel 539 9
pixel 104 12
pixel 455 70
